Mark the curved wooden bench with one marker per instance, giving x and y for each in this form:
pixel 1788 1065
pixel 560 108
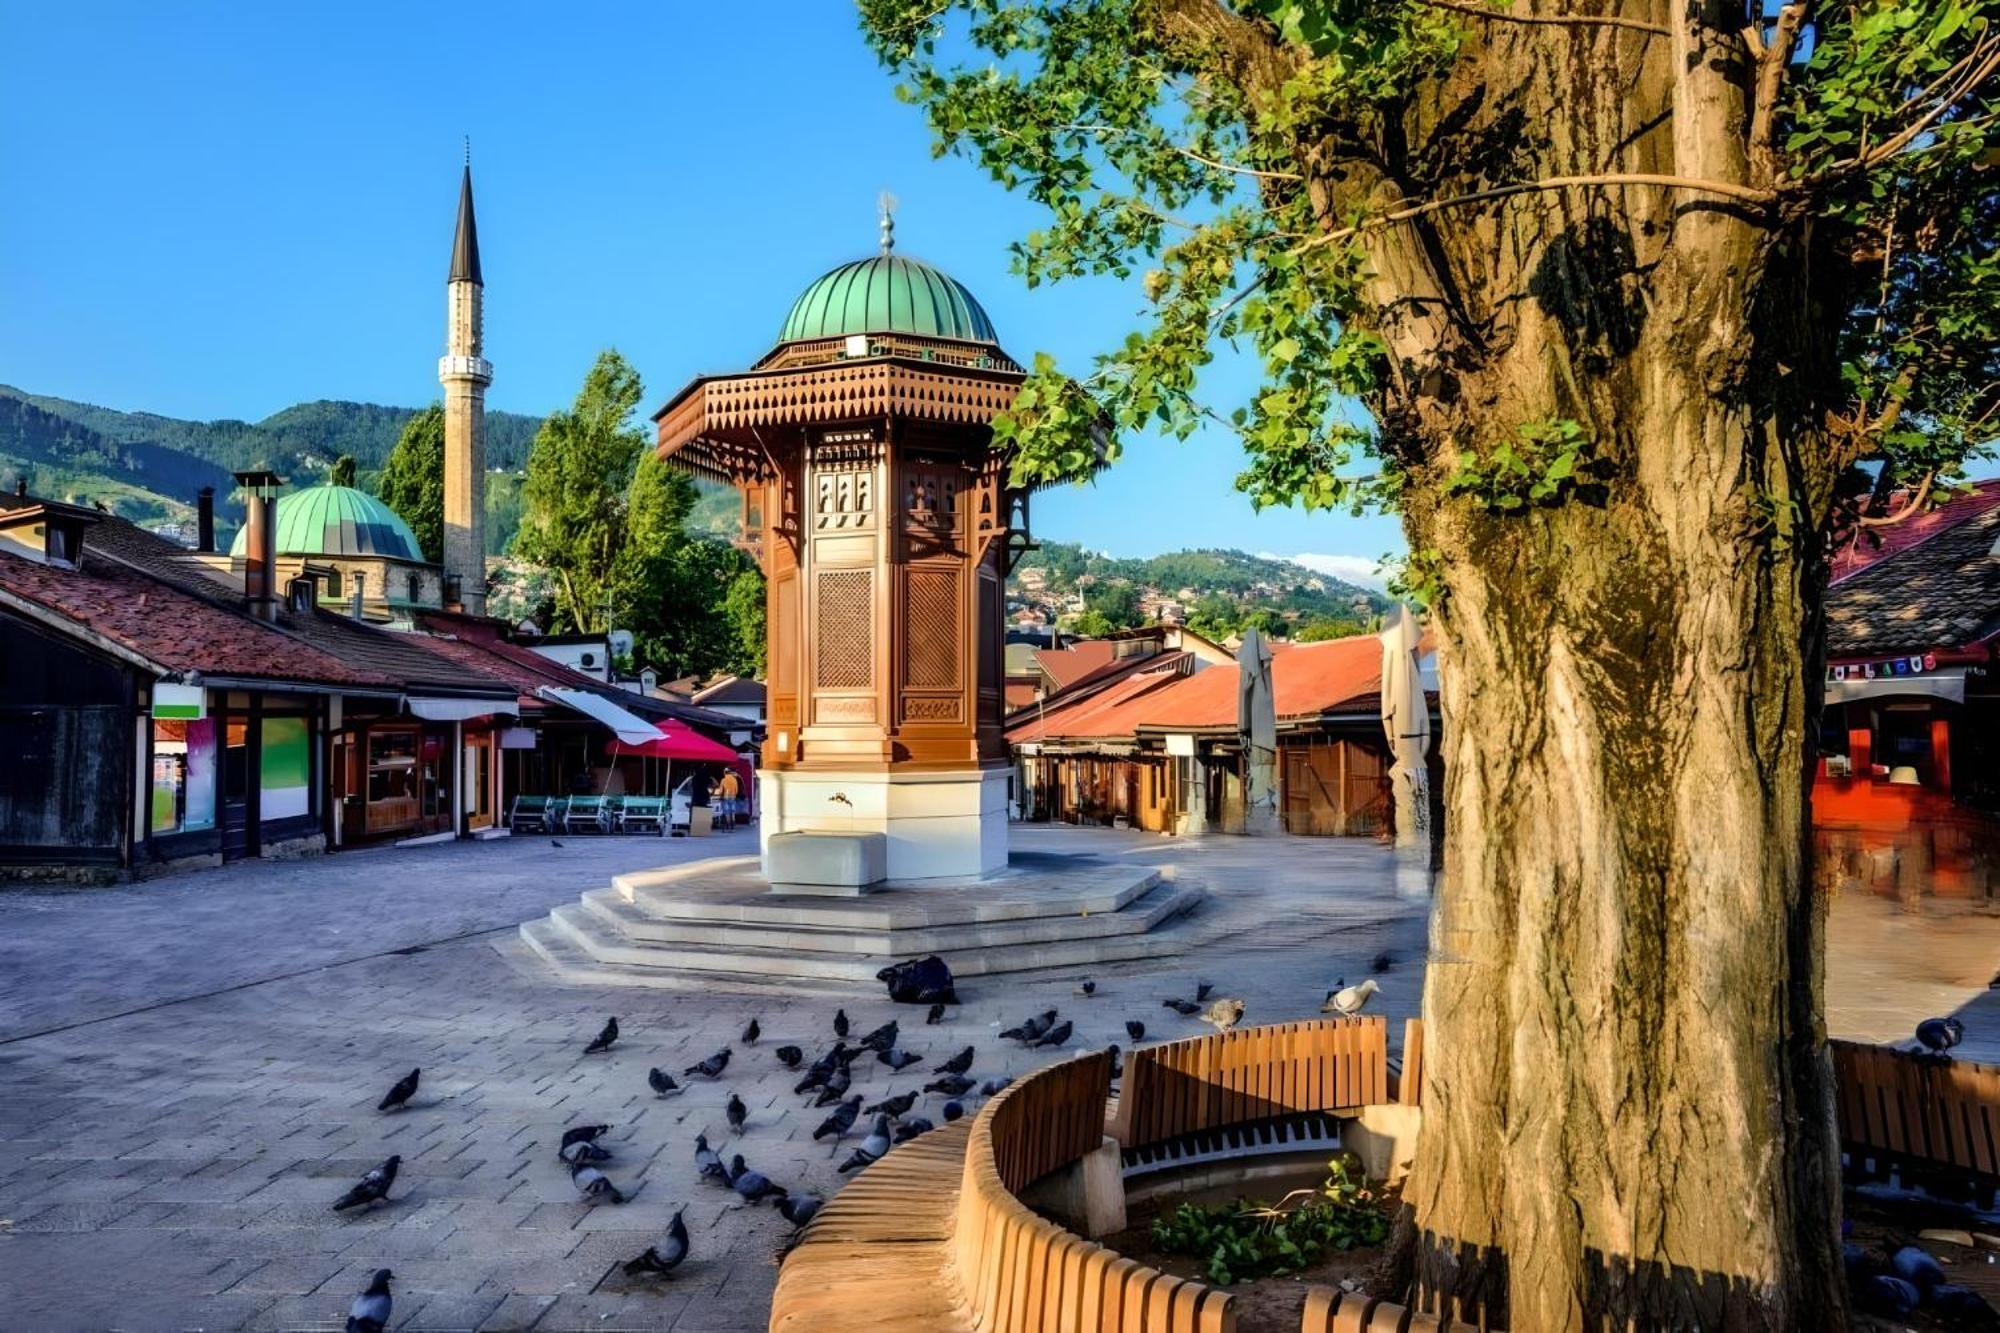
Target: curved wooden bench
pixel 1330 1311
pixel 1906 1109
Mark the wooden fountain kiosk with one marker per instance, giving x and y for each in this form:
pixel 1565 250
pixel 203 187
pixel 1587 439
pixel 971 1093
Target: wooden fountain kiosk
pixel 879 509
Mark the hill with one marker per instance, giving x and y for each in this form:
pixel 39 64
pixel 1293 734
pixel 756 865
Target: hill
pixel 1214 590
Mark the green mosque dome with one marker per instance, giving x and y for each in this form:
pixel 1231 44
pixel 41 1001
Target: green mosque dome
pixel 338 520
pixel 887 293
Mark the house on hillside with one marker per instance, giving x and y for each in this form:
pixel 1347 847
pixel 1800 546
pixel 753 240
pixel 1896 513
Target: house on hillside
pixel 1152 742
pixel 1906 796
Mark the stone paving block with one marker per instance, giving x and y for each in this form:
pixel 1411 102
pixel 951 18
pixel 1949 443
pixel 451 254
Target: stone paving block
pixel 445 1312
pixel 517 1312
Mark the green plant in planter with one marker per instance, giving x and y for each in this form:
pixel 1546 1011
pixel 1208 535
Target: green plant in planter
pixel 1253 1240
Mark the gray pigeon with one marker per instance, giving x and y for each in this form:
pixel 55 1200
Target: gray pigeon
pixel 912 1127
pixel 789 1056
pixel 841 1120
pixel 836 1087
pixel 737 1112
pixel 1056 1035
pixel 751 1185
pixel 840 1022
pixel 661 1260
pixel 751 1033
pixel 1202 989
pixel 371 1309
pixel 953 1110
pixel 799 1209
pixel 602 1041
pixel 1029 1031
pixel 882 1038
pixel 406 1088
pixel 1185 1008
pixel 895 1106
pixel 372 1188
pixel 1135 1029
pixel 993 1085
pixel 582 1134
pixel 594 1184
pixel 708 1162
pixel 958 1064
pixel 897 1058
pixel 711 1067
pixel 1087 988
pixel 951 1085
pixel 935 1016
pixel 871 1148
pixel 583 1152
pixel 662 1083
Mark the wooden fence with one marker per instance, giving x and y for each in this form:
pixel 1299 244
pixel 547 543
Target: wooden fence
pixel 1330 1311
pixel 1052 1118
pixel 1914 1109
pixel 1204 1083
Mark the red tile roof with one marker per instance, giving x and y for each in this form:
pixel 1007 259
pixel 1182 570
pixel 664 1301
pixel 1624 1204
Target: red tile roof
pixel 1066 666
pixel 1309 680
pixel 170 629
pixel 1873 545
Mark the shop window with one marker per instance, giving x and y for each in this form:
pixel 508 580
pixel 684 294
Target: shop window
pixel 183 797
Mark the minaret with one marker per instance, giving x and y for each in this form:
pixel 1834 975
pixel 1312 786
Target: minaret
pixel 465 375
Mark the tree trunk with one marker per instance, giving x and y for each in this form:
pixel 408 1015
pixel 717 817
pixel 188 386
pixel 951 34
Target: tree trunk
pixel 1628 1107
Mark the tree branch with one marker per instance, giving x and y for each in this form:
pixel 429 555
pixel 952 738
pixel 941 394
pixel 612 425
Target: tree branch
pixel 1773 58
pixel 1916 504
pixel 1726 189
pixel 1561 20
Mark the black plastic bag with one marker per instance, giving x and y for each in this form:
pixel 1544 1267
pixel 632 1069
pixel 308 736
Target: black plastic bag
pixel 920 981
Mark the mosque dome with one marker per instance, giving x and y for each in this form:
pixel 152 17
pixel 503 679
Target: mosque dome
pixel 888 293
pixel 338 520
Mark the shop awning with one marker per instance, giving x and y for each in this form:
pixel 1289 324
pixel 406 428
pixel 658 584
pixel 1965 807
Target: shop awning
pixel 459 709
pixel 673 739
pixel 629 727
pixel 1943 683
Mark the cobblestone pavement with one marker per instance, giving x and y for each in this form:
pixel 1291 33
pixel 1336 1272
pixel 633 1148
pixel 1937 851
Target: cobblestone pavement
pixel 191 1067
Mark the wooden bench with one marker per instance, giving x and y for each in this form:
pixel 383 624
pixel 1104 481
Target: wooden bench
pixel 1330 1311
pixel 1908 1110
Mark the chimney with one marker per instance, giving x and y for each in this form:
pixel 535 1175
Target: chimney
pixel 204 520
pixel 21 486
pixel 355 608
pixel 260 542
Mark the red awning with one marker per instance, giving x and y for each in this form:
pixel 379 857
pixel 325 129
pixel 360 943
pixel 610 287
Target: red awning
pixel 679 741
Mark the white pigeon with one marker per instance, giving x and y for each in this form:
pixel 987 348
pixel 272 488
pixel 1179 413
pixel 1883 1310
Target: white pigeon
pixel 1224 1014
pixel 1350 1000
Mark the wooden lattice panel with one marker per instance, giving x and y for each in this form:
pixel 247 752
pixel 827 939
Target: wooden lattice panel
pixel 844 656
pixel 784 644
pixel 932 629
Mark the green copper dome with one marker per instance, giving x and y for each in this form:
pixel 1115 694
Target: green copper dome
pixel 888 294
pixel 338 520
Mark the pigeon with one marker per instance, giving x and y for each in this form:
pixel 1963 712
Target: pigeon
pixel 708 1162
pixel 958 1064
pixel 789 1056
pixel 871 1148
pixel 554 843
pixel 393 1099
pixel 1135 1029
pixel 593 1184
pixel 737 1112
pixel 1223 1014
pixel 935 1016
pixel 1056 1035
pixel 951 1085
pixel 1029 1032
pixel 1117 1064
pixel 1936 1035
pixel 836 1087
pixel 582 1134
pixel 882 1038
pixel 1202 990
pixel 663 1083
pixel 898 1059
pixel 370 1311
pixel 912 1127
pixel 662 1262
pixel 1185 1008
pixel 1347 1001
pixel 1381 962
pixel 1888 1296
pixel 1960 1307
pixel 845 1055
pixel 840 1121
pixel 992 1087
pixel 751 1033
pixel 799 1209
pixel 840 1022
pixel 582 1152
pixel 1916 1267
pixel 751 1185
pixel 1087 989
pixel 711 1067
pixel 898 1106
pixel 953 1110
pixel 371 1188
pixel 603 1040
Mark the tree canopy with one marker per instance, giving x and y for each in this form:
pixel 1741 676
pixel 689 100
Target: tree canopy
pixel 412 480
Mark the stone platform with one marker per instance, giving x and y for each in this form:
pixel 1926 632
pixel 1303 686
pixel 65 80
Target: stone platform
pixel 719 922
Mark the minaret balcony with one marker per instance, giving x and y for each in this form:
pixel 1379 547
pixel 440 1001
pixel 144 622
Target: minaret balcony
pixel 476 368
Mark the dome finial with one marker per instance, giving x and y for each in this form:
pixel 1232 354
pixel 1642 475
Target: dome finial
pixel 887 203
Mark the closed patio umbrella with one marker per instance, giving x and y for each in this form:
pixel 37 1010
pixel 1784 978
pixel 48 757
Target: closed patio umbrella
pixel 1406 719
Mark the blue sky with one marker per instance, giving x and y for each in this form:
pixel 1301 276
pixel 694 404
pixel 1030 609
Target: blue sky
pixel 219 210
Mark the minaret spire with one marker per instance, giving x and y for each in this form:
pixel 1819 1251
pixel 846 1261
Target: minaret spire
pixel 465 243
pixel 887 203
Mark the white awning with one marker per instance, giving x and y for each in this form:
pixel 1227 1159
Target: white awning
pixel 631 728
pixel 1944 683
pixel 458 710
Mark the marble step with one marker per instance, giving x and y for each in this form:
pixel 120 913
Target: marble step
pixel 605 942
pixel 810 931
pixel 541 942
